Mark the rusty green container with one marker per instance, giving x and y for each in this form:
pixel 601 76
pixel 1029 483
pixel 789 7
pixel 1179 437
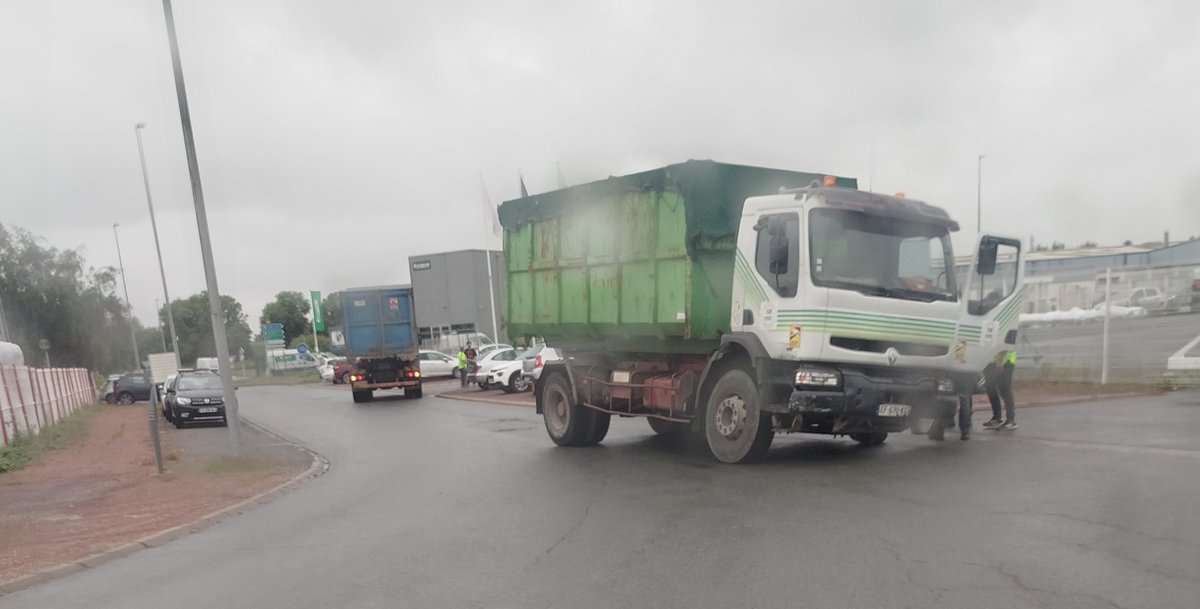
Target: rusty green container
pixel 641 262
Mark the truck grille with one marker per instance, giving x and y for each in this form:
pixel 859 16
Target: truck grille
pixel 881 346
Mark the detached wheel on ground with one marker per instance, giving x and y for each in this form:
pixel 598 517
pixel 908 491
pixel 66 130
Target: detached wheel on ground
pixel 736 429
pixel 666 428
pixel 568 422
pixel 362 396
pixel 872 438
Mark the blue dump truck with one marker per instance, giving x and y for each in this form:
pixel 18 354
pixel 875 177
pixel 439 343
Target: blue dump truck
pixel 381 341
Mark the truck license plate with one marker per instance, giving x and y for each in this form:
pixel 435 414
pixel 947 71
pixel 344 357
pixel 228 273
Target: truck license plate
pixel 894 410
pixel 207 410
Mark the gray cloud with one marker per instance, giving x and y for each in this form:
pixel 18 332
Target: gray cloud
pixel 337 139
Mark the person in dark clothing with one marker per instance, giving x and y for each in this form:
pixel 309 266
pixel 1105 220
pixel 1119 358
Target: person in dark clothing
pixel 999 375
pixel 937 431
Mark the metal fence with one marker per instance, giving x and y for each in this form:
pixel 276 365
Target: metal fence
pixel 33 398
pixel 1073 351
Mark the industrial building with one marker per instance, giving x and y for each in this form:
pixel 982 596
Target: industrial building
pixel 453 303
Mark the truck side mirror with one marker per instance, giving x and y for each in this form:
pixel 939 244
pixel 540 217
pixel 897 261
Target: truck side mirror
pixel 987 257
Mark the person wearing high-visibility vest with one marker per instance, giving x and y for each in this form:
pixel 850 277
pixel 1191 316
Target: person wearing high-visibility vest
pixel 462 366
pixel 998 375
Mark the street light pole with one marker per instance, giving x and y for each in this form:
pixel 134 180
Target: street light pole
pixel 137 129
pixel 216 311
pixel 979 196
pixel 158 322
pixel 137 358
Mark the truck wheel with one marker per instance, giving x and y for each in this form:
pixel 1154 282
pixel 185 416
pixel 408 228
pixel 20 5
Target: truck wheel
pixel 568 423
pixel 600 422
pixel 873 438
pixel 362 396
pixel 414 394
pixel 734 426
pixel 666 428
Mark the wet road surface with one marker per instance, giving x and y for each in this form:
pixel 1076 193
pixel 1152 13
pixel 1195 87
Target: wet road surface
pixel 442 503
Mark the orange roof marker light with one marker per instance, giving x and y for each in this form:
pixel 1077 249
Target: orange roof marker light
pixel 830 181
pixel 900 195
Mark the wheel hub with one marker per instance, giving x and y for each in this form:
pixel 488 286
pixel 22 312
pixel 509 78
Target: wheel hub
pixel 730 416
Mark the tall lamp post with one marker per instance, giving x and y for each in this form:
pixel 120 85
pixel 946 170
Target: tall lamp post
pixel 979 196
pixel 137 358
pixel 137 129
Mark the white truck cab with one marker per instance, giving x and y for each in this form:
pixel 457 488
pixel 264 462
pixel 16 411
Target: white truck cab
pixel 861 291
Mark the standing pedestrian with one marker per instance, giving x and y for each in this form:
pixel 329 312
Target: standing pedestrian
pixel 462 366
pixel 998 376
pixel 937 430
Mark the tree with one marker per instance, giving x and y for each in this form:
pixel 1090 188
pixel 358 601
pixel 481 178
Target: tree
pixel 291 310
pixel 1087 245
pixel 194 327
pixel 47 293
pixel 332 307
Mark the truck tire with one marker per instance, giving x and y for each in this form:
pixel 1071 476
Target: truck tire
pixel 569 423
pixel 600 422
pixel 413 394
pixel 872 438
pixel 734 426
pixel 362 396
pixel 666 428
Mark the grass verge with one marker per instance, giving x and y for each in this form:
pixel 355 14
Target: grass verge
pixel 26 450
pixel 300 377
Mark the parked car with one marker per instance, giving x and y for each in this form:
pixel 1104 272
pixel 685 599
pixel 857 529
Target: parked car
pixel 488 361
pixel 436 363
pixel 132 387
pixel 194 396
pixel 163 396
pixel 509 377
pixel 341 372
pixel 541 355
pixel 106 391
pixel 486 349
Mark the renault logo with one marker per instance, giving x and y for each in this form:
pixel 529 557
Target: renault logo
pixel 892 356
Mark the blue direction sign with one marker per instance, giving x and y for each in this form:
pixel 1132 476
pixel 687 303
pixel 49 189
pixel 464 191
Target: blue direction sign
pixel 302 348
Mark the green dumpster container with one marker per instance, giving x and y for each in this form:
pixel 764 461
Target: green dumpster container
pixel 641 262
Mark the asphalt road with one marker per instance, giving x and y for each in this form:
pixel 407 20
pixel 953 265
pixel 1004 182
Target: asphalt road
pixel 1138 348
pixel 441 503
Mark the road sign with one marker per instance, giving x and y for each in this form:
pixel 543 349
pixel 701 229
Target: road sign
pixel 302 348
pixel 272 332
pixel 44 344
pixel 162 365
pixel 318 313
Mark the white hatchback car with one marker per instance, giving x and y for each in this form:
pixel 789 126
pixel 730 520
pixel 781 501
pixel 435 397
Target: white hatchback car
pixel 436 363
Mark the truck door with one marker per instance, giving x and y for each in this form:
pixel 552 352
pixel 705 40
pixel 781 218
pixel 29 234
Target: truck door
pixel 767 273
pixel 991 302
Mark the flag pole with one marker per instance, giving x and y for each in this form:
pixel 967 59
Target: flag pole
pixel 487 253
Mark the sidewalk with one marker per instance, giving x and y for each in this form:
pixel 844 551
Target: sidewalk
pixel 102 492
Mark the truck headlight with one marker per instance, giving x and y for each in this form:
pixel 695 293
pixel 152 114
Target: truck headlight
pixel 183 401
pixel 815 377
pixel 946 386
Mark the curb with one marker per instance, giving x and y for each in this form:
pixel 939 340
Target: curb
pixel 316 469
pixel 485 400
pixel 1074 399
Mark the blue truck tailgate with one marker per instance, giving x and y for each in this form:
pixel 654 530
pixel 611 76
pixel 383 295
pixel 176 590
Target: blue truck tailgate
pixel 379 322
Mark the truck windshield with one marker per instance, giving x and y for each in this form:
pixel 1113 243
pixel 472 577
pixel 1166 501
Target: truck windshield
pixel 881 256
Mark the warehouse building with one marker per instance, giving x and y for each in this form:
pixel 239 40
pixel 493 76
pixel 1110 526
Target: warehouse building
pixel 453 303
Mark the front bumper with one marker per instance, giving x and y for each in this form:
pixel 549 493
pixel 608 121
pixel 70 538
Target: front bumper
pixel 201 413
pixel 855 407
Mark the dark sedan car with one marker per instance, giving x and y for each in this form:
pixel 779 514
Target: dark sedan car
pixel 131 388
pixel 195 397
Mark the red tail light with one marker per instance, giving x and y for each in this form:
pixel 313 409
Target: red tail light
pixel 538 362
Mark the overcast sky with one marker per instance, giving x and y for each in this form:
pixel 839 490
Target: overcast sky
pixel 336 139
